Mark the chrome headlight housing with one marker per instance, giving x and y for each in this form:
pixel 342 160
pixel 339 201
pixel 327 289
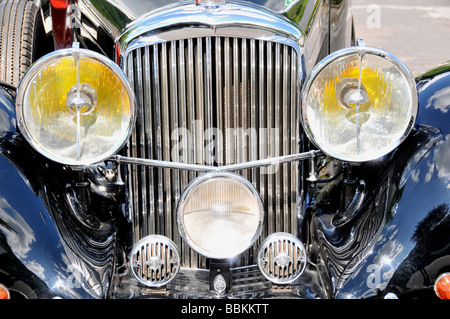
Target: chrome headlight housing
pixel 358 104
pixel 220 215
pixel 75 107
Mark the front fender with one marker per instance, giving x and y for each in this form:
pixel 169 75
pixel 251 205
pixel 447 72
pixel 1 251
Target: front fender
pixel 33 262
pixel 41 253
pixel 413 249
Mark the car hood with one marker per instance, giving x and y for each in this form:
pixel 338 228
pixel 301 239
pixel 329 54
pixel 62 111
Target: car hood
pixel 116 15
pixel 135 8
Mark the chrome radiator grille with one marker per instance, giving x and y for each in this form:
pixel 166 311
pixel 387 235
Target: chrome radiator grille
pixel 187 90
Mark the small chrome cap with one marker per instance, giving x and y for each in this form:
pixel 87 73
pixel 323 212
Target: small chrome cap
pixel 155 260
pixel 282 258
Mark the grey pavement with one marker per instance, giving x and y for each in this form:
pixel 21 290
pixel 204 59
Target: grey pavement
pixel 417 32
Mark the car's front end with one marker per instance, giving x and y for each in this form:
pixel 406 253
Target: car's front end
pixel 219 149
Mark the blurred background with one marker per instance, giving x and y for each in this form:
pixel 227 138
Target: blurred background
pixel 415 31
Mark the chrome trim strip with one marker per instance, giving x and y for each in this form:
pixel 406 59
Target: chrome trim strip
pixel 253 106
pixel 229 147
pixel 270 145
pixel 141 148
pixel 277 118
pixel 149 130
pixel 219 100
pixel 262 116
pixel 131 151
pixel 295 125
pixel 285 140
pixel 218 169
pixel 191 101
pixel 166 134
pixel 158 133
pixel 208 107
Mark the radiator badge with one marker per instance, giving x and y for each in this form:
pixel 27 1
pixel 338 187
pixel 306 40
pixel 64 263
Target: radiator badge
pixel 211 3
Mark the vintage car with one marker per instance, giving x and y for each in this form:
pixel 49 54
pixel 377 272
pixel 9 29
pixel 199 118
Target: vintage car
pixel 216 149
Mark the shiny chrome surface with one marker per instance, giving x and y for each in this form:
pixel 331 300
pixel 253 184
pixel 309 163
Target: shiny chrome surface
pixel 245 282
pixel 282 258
pixel 228 215
pixel 217 169
pixel 361 50
pixel 183 20
pixel 36 69
pixel 233 90
pixel 155 260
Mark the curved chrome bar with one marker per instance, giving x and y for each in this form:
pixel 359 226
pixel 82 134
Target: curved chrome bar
pixel 177 22
pixel 217 169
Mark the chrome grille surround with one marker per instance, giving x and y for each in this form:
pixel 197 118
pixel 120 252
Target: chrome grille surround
pixel 241 71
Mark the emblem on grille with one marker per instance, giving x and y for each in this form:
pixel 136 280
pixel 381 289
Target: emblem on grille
pixel 210 2
pixel 155 260
pixel 282 258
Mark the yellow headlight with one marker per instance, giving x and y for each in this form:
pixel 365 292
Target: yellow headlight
pixel 359 104
pixel 75 107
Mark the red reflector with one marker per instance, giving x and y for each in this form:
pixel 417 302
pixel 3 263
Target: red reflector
pixel 60 4
pixel 4 292
pixel 442 286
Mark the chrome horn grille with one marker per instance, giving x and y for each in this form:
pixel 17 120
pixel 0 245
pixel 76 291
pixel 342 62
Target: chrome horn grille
pixel 282 258
pixel 155 260
pixel 217 84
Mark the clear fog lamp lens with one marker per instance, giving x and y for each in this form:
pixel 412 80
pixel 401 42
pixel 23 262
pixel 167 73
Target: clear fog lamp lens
pixel 220 215
pixel 359 104
pixel 75 106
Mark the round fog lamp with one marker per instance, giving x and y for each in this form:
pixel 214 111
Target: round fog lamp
pixel 220 215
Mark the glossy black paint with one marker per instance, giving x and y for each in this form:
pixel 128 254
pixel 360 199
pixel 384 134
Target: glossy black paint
pixel 47 249
pixel 380 227
pixel 395 234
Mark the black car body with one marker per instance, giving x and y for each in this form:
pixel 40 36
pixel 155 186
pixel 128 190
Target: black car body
pixel 102 217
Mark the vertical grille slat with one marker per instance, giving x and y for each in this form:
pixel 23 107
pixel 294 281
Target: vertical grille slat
pixel 262 118
pixel 253 109
pixel 184 124
pixel 148 125
pixel 232 100
pixel 236 101
pixel 286 128
pixel 141 146
pixel 190 102
pixel 270 145
pixel 220 151
pixel 229 112
pixel 167 183
pixel 278 116
pixel 199 103
pixel 244 110
pixel 295 137
pixel 158 140
pixel 208 107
